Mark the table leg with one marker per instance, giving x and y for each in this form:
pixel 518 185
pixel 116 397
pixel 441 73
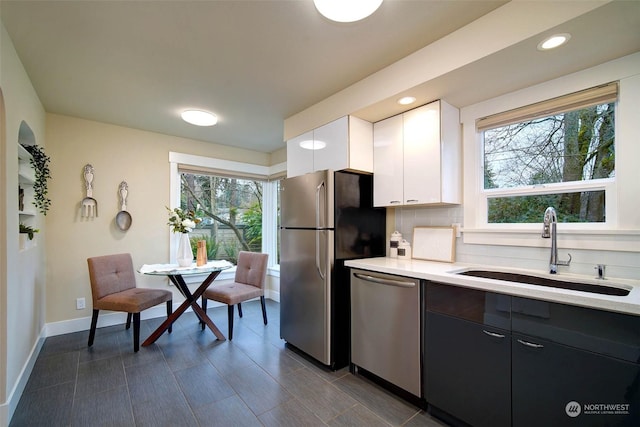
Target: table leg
pixel 190 300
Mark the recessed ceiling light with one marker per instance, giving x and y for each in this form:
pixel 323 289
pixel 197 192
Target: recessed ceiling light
pixel 406 100
pixel 313 144
pixel 554 41
pixel 347 10
pixel 199 117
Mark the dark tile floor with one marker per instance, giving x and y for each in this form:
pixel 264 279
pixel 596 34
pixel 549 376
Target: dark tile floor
pixel 189 378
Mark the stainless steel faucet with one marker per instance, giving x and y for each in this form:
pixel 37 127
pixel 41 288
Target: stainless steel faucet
pixel 549 231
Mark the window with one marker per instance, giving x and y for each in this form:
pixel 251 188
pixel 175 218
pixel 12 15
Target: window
pixel 558 153
pixel 231 213
pixel 237 202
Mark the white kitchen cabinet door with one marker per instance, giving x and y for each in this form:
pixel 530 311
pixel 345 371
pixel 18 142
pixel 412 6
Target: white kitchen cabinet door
pixel 422 155
pixel 388 162
pixel 417 157
pixel 300 155
pixel 345 143
pixel 332 143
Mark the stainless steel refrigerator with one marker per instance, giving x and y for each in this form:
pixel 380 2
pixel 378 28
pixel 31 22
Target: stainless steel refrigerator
pixel 327 217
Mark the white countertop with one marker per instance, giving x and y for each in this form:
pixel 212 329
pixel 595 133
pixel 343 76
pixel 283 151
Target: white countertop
pixel 445 273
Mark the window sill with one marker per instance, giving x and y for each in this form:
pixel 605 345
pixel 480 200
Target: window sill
pixel 607 240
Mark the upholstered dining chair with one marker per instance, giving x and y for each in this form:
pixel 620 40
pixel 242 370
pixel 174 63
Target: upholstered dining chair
pixel 113 287
pixel 249 282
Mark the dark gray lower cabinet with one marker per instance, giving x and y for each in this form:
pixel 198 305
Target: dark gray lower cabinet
pixel 498 360
pixel 467 347
pixel 557 385
pixel 469 370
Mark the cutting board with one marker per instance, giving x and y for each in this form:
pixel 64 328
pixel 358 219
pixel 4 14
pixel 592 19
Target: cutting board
pixel 434 243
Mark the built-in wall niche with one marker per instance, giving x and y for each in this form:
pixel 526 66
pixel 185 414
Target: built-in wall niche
pixel 27 213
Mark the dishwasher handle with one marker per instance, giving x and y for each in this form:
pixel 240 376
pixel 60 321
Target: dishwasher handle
pixel 383 281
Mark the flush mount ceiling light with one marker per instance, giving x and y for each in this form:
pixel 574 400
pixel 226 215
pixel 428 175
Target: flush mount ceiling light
pixel 406 100
pixel 346 10
pixel 554 41
pixel 199 117
pixel 313 145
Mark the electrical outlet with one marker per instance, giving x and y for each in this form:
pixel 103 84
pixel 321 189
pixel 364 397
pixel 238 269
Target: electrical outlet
pixel 80 304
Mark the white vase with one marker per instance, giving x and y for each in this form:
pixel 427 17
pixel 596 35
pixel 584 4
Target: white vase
pixel 185 253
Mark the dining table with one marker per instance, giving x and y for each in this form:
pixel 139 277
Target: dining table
pixel 176 275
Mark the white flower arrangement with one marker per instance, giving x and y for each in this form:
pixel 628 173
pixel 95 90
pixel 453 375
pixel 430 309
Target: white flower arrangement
pixel 182 221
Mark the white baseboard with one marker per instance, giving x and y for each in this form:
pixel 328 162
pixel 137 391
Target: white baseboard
pixel 9 407
pixel 117 318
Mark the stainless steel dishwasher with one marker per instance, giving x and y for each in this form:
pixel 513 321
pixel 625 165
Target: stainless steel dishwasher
pixel 385 327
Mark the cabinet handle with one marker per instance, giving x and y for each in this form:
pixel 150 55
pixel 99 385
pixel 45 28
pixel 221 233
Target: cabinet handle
pixel 530 344
pixel 412 200
pixel 393 202
pixel 493 334
pixel 383 281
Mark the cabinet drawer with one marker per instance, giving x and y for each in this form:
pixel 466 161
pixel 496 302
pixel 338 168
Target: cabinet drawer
pixel 612 334
pixel 485 308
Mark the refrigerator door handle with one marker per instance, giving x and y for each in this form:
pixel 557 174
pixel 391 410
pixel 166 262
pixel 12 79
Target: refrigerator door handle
pixel 318 267
pixel 318 188
pixel 318 225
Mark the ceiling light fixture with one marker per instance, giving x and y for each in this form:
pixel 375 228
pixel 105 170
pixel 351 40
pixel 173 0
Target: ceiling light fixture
pixel 313 144
pixel 406 100
pixel 199 117
pixel 347 10
pixel 554 41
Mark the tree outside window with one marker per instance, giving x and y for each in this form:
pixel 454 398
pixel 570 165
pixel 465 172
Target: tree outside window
pixel 231 213
pixel 552 158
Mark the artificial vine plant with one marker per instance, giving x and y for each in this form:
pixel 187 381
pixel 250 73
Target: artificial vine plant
pixel 40 162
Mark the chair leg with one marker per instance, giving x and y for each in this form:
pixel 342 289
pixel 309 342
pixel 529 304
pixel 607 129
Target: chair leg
pixel 203 304
pixel 136 332
pixel 128 320
pixel 240 309
pixel 230 315
pixel 169 311
pixel 264 310
pixel 92 331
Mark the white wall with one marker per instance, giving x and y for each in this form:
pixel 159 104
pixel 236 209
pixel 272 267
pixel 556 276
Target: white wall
pixel 22 288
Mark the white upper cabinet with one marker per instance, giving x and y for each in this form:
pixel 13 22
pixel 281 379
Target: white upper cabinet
pixel 345 143
pixel 417 157
pixel 387 162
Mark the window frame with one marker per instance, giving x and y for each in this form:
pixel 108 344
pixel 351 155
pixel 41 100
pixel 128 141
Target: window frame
pixel 270 175
pixel 621 232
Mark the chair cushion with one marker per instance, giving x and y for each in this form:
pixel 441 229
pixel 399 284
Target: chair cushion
pixel 232 293
pixel 252 268
pixel 133 300
pixel 110 273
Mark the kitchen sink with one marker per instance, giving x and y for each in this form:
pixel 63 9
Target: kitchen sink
pixel 545 281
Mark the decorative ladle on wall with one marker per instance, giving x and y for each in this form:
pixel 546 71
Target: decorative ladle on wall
pixel 123 218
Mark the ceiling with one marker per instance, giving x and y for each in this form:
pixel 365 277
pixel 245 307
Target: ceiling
pixel 254 63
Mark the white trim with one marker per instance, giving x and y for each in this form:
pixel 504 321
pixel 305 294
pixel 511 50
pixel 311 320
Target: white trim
pixel 8 408
pixel 229 165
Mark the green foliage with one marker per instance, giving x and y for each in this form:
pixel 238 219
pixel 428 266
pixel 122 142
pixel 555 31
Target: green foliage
pixel 231 250
pixel 253 219
pixel 30 231
pixel 567 147
pixel 212 246
pixel 40 162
